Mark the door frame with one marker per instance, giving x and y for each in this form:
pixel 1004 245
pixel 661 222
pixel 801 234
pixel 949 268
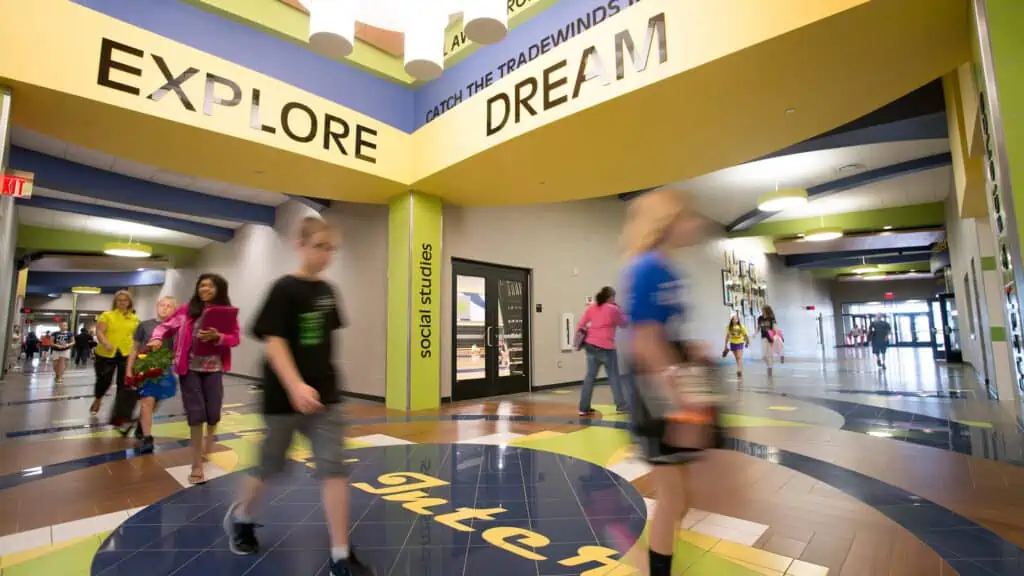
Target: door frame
pixel 453 318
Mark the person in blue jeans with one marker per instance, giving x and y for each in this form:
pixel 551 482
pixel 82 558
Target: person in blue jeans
pixel 599 324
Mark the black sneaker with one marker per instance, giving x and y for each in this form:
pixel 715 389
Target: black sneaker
pixel 241 535
pixel 350 566
pixel 146 445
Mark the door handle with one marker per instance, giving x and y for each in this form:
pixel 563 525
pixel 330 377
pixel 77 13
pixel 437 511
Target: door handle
pixel 488 336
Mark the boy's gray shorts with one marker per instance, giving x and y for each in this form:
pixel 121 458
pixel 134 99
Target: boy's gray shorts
pixel 326 433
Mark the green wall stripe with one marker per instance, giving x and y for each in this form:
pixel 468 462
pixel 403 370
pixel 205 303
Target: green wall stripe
pixel 998 333
pixel 988 263
pixel 918 216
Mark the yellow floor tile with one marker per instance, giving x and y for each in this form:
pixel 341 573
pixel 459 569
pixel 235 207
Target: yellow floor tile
pixel 9 560
pixel 755 568
pixel 753 556
pixel 801 568
pixel 702 541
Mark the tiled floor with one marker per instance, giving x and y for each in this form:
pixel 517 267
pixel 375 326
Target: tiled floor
pixel 831 468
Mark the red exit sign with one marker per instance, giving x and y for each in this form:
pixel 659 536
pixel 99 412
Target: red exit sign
pixel 889 296
pixel 17 184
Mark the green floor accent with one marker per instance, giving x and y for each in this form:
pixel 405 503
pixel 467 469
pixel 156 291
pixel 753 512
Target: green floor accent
pixel 594 445
pixel 744 421
pixel 608 413
pixel 75 560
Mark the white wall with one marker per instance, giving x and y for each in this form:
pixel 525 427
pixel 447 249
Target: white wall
pixel 258 255
pixel 572 249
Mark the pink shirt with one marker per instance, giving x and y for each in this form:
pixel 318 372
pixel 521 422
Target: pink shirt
pixel 601 323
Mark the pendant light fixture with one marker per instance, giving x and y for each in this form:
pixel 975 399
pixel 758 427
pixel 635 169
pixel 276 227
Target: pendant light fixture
pixel 128 249
pixel 332 26
pixel 823 233
pixel 865 268
pixel 424 42
pixel 85 290
pixel 780 200
pixel 485 21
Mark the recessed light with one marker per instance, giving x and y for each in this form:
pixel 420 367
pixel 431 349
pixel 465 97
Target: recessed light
pixel 140 269
pixel 790 111
pixel 886 227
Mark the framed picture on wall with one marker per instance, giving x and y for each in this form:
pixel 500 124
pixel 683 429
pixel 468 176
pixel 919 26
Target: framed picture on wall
pixel 726 288
pixel 743 268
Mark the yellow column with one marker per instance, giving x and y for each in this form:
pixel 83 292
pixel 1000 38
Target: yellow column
pixel 414 302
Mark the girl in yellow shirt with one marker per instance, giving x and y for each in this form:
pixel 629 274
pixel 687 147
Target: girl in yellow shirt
pixel 114 330
pixel 736 339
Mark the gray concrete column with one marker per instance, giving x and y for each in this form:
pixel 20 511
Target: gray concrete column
pixel 8 235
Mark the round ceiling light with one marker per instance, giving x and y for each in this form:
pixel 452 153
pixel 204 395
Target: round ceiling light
pixel 823 234
pixel 85 290
pixel 424 45
pixel 875 277
pixel 332 27
pixel 868 269
pixel 780 200
pixel 127 249
pixel 485 21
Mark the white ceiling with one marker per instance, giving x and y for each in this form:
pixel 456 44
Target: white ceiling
pixel 728 194
pixel 54 147
pixel 47 193
pixel 917 188
pixel 120 229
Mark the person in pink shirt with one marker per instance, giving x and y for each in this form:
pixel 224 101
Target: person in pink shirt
pixel 598 326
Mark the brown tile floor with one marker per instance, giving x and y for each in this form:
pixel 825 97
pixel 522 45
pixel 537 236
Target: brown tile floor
pixel 807 518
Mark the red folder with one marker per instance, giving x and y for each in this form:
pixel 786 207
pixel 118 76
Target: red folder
pixel 223 319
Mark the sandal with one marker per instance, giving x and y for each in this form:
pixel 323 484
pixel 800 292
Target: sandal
pixel 197 477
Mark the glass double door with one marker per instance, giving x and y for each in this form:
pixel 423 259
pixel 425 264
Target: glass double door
pixel 491 309
pixel 946 346
pixel 911 329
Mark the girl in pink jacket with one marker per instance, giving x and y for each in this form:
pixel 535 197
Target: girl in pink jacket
pixel 598 326
pixel 202 383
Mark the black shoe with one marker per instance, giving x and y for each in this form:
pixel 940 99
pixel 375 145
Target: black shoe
pixel 146 447
pixel 350 566
pixel 241 535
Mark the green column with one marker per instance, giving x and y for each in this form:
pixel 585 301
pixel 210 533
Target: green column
pixel 414 302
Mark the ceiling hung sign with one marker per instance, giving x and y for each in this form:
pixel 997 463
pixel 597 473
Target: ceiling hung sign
pixel 593 68
pixel 332 27
pixel 133 70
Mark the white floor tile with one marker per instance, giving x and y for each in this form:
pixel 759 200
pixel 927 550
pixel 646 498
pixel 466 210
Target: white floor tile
pixel 716 531
pixel 631 469
pixel 496 439
pixel 736 523
pixel 25 541
pixel 180 473
pixel 88 526
pixel 382 440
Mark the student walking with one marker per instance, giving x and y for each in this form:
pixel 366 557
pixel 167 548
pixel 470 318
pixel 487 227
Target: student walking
pixel 301 394
pixel 114 329
pixel 202 375
pixel 736 340
pixel 598 324
pixel 83 347
pixel 152 393
pixel 769 331
pixel 878 335
pixel 62 342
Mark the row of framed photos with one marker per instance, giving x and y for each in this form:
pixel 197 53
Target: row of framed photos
pixel 742 294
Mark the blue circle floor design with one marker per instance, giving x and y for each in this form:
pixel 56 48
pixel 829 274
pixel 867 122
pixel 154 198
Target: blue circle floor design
pixel 416 510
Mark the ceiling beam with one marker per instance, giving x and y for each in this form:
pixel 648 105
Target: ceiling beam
pixel 215 233
pixel 869 177
pixel 926 127
pixel 801 260
pixel 40 240
pixel 66 176
pixel 845 262
pixel 105 279
pixel 919 266
pixel 900 217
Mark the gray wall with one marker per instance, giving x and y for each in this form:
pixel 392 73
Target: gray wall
pixel 258 255
pixel 572 250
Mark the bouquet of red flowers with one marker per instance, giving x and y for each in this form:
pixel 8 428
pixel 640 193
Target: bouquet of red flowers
pixel 151 367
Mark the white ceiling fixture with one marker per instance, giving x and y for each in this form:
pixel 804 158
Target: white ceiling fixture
pixel 781 200
pixel 865 268
pixel 823 234
pixel 332 26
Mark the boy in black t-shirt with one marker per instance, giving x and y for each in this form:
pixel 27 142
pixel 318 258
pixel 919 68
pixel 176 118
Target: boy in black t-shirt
pixel 300 394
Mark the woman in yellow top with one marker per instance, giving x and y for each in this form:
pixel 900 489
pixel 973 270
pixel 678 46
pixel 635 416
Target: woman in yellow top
pixel 114 330
pixel 736 340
